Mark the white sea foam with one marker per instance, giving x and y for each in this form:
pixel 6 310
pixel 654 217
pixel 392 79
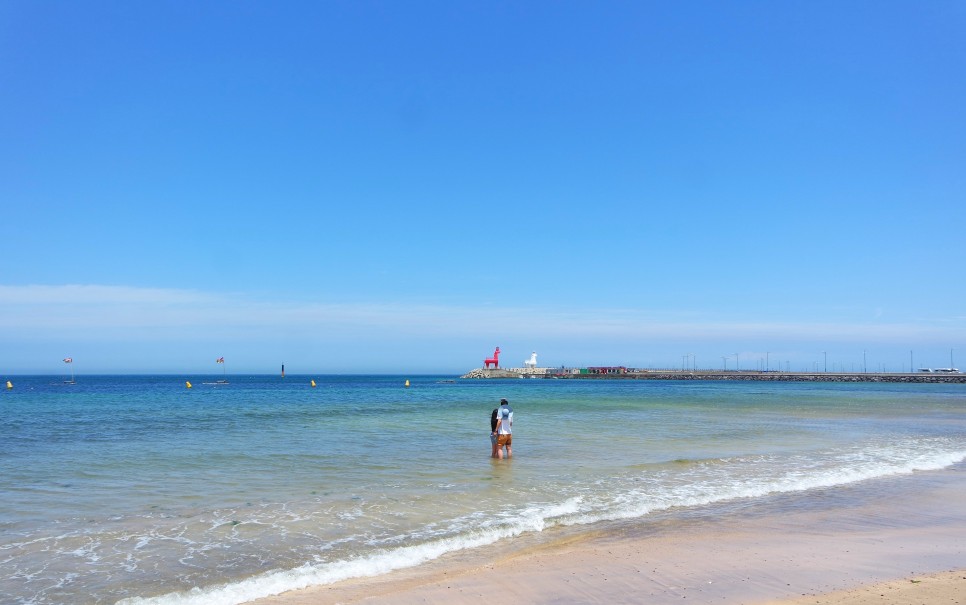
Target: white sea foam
pixel 702 486
pixel 273 583
pixel 700 489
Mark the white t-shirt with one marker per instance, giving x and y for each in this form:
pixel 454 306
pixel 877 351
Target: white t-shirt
pixel 505 416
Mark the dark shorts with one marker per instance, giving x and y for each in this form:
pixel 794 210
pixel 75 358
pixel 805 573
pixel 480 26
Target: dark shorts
pixel 492 438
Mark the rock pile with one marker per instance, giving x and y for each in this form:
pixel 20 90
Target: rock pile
pixel 490 373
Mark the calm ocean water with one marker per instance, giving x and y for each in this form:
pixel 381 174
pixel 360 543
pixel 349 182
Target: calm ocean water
pixel 134 489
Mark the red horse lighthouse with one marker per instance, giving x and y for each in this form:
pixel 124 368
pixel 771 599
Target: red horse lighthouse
pixel 495 360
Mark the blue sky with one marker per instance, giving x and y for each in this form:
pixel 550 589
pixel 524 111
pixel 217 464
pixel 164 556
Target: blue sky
pixel 402 186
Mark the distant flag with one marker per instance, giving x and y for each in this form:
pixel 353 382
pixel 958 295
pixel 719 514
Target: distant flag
pixel 220 360
pixel 68 360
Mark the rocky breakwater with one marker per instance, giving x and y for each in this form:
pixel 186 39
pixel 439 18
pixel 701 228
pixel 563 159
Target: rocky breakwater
pixel 796 376
pixel 490 373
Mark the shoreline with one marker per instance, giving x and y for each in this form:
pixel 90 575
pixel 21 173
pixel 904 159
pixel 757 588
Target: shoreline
pixel 832 547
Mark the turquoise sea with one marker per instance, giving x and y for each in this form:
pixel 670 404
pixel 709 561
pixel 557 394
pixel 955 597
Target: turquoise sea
pixel 135 489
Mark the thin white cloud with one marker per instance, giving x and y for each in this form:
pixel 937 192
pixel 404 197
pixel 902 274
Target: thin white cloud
pixel 108 312
pixel 77 294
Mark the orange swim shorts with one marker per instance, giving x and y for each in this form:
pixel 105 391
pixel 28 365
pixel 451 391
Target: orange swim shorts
pixel 504 440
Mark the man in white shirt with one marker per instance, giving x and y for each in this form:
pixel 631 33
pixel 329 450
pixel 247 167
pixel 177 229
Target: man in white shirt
pixel 504 425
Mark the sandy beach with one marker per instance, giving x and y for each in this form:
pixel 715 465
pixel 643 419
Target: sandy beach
pixel 879 544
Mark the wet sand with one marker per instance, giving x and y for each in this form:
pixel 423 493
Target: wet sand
pixel 891 541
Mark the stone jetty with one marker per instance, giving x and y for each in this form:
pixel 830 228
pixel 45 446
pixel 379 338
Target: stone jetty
pixel 630 374
pixel 490 373
pixel 799 376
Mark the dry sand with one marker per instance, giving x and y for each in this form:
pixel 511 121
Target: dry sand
pixel 862 545
pixel 942 588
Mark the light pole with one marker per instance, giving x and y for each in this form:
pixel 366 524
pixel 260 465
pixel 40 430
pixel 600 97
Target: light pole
pixel 725 360
pixel 766 361
pixel 864 371
pixel 951 364
pixel 736 363
pixel 825 353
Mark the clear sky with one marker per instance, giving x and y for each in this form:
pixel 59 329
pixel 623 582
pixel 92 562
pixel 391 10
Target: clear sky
pixel 400 187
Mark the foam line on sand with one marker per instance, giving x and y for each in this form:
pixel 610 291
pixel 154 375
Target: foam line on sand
pixel 836 547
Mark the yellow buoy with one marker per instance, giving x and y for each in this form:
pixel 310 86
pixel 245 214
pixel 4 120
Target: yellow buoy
pixel 407 382
pixel 9 385
pixel 313 383
pixel 187 384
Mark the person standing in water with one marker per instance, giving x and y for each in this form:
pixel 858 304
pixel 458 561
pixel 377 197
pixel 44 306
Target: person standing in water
pixel 493 435
pixel 504 426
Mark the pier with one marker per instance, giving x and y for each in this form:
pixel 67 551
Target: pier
pixel 641 374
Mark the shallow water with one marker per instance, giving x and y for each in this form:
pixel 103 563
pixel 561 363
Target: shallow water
pixel 134 487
